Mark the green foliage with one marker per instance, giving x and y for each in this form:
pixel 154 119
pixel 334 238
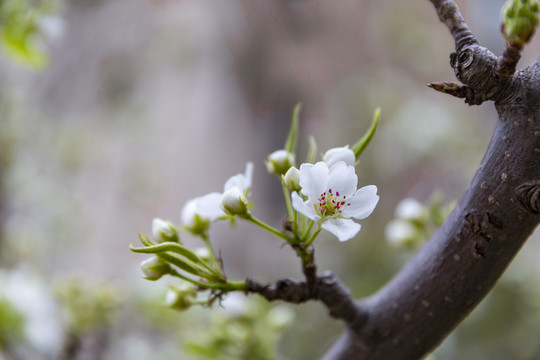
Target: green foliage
pixel 87 307
pixel 21 37
pixel 11 324
pixel 250 332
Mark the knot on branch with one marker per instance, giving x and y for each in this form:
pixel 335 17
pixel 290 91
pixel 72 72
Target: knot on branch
pixel 528 195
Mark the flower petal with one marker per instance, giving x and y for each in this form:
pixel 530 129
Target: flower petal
pixel 362 203
pixel 208 206
pixel 343 229
pixel 305 208
pixel 241 181
pixel 332 156
pixel 313 179
pixel 342 178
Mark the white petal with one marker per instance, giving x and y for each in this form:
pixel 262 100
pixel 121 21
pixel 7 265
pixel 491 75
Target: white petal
pixel 188 212
pixel 302 207
pixel 362 203
pixel 314 179
pixel 342 179
pixel 241 181
pixel 332 156
pixel 343 229
pixel 209 206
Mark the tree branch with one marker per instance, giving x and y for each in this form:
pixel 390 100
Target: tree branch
pixel 462 261
pixel 328 289
pixel 449 14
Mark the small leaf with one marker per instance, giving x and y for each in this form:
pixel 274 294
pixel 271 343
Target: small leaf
pixel 290 144
pixel 360 146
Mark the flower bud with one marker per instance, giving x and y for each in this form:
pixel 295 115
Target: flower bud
pixel 180 297
pixel 154 268
pixel 234 202
pixel 164 231
pixel 291 179
pixel 279 162
pixel 334 155
pixel 519 20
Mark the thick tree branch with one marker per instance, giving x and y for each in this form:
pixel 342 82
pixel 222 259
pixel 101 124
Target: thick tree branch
pixel 462 261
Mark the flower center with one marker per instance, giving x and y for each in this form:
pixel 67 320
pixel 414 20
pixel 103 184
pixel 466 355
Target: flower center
pixel 330 204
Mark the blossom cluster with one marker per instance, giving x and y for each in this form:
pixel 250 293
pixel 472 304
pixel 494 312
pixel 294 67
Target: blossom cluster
pixel 321 195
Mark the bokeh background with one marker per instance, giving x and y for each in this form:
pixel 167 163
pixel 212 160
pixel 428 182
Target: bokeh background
pixel 144 105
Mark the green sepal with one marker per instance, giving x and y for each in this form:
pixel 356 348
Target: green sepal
pixel 178 249
pixel 361 144
pixel 160 251
pixel 145 240
pixel 312 150
pixel 290 144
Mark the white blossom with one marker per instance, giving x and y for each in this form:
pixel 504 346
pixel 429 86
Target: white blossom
pixel 333 198
pixel 198 213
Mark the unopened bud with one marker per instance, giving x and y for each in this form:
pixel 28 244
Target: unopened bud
pixel 154 268
pixel 291 179
pixel 279 162
pixel 164 231
pixel 234 202
pixel 519 20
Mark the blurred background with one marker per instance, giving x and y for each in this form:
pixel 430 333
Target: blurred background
pixel 119 111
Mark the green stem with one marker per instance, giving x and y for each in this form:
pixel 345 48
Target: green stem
pixel 225 286
pixel 313 236
pixel 292 213
pixel 306 233
pixel 213 257
pixel 269 229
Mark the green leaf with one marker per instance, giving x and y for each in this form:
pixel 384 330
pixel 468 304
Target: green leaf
pixel 312 150
pixel 290 144
pixel 361 144
pixel 23 49
pixel 145 240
